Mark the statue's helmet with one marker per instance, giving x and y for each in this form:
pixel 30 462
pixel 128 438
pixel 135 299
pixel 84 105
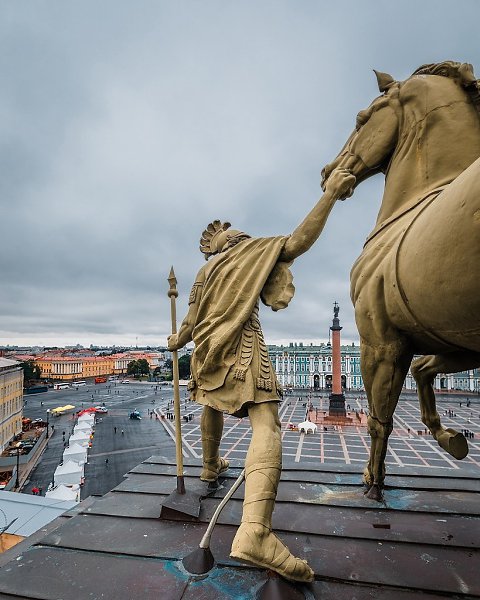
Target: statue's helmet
pixel 217 237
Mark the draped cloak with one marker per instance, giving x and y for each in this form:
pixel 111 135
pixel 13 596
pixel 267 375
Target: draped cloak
pixel 227 290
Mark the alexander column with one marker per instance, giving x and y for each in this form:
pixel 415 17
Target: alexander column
pixel 337 398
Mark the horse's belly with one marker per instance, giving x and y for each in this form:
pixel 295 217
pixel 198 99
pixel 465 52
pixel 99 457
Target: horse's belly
pixel 438 264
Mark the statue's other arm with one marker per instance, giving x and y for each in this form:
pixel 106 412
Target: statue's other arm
pixel 184 335
pixel 339 185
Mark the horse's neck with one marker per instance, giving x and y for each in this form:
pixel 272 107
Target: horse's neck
pixel 439 138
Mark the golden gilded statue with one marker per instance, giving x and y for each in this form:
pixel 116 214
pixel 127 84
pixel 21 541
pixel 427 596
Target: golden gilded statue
pixel 415 286
pixel 231 369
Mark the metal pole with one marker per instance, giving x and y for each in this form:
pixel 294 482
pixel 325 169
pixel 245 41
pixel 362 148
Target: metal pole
pixel 17 482
pixel 173 294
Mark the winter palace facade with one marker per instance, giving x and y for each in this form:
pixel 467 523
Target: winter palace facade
pixel 309 366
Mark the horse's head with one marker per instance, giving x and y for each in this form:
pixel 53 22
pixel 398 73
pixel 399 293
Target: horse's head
pixel 425 129
pixel 370 146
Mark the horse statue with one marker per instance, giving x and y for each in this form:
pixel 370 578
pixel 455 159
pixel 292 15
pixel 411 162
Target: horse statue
pixel 416 285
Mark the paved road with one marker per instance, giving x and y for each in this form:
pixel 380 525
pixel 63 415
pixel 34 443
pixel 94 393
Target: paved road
pixel 350 445
pixel 141 439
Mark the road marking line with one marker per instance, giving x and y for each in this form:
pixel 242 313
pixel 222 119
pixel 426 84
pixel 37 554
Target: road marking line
pixel 416 453
pixel 232 448
pixel 344 448
pixel 442 454
pixel 299 447
pixel 171 432
pixel 395 456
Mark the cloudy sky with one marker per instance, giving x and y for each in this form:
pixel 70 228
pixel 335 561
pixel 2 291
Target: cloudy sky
pixel 126 127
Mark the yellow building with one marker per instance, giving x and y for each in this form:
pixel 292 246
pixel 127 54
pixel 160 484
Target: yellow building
pixel 45 365
pixel 64 368
pixel 61 367
pixel 11 400
pixel 95 366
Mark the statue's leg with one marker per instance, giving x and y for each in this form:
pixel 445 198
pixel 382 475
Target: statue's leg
pixel 424 371
pixel 384 368
pixel 211 427
pixel 254 541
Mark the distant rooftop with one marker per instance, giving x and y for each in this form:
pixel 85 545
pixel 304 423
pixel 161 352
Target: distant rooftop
pixel 6 363
pixel 26 514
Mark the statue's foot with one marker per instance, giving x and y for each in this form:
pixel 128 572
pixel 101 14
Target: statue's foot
pixel 453 442
pixel 211 471
pixel 367 481
pixel 258 545
pixel 374 493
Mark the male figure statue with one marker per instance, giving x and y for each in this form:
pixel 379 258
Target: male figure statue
pixel 231 369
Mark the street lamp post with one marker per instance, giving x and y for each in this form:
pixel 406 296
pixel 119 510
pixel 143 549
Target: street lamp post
pixel 17 482
pixel 48 414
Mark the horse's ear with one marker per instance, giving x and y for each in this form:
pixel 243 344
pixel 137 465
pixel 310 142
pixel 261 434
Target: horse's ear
pixel 384 80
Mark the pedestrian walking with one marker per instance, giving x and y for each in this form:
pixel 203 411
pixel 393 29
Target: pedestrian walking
pixel 114 430
pixel 106 462
pixel 122 432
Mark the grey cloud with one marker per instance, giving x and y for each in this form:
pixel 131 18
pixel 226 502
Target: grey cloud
pixel 125 129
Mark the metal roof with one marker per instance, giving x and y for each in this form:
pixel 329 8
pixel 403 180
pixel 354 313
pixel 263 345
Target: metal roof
pixel 29 513
pixel 422 543
pixel 5 363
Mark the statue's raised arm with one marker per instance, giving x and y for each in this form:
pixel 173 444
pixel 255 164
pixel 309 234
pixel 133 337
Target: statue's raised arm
pixel 339 186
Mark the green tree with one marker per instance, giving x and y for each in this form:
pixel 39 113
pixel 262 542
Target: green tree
pixel 168 369
pixel 143 366
pixel 184 367
pixel 138 367
pixel 132 368
pixel 31 371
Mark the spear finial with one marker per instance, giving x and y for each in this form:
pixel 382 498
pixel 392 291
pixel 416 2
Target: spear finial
pixel 172 280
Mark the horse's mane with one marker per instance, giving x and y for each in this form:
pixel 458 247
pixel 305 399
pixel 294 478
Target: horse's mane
pixel 461 72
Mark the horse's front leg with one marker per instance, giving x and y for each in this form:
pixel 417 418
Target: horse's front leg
pixel 384 368
pixel 424 371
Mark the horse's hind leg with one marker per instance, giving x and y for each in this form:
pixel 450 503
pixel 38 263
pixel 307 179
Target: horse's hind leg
pixel 424 371
pixel 384 368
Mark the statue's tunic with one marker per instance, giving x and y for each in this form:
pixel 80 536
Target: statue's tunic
pixel 230 364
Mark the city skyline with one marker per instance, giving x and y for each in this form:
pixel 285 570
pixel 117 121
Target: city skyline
pixel 127 128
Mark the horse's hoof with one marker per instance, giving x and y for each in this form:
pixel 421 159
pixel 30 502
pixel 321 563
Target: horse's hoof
pixel 454 443
pixel 375 493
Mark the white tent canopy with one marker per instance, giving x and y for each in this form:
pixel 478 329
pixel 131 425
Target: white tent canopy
pixel 75 452
pixel 80 438
pixel 86 418
pixel 307 426
pixel 69 473
pixel 62 492
pixel 83 426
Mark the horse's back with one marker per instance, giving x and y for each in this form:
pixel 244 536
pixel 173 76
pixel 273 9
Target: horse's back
pixel 438 263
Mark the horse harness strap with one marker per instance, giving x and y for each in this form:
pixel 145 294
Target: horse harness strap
pixel 428 199
pixel 404 304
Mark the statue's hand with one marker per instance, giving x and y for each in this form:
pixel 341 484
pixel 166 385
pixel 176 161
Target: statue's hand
pixel 340 184
pixel 172 342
